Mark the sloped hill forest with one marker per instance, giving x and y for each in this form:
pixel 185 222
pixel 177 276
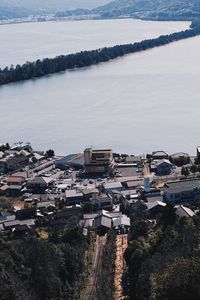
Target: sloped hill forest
pixel 151 9
pixel 164 263
pixel 32 268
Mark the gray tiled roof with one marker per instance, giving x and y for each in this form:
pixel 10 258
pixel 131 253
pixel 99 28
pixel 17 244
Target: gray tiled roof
pixel 182 186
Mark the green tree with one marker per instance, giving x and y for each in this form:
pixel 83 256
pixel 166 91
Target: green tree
pixel 168 216
pixel 194 169
pixel 184 171
pixel 50 153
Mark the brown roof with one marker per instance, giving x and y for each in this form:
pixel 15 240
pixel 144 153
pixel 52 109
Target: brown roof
pixel 15 179
pixel 4 187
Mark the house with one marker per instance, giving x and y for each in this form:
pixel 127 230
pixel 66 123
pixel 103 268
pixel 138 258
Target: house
pixel 102 200
pixel 4 190
pixel 5 217
pixel 30 223
pixel 183 211
pixel 158 155
pixel 103 222
pixel 26 213
pixel 2 154
pixel 98 161
pixel 113 186
pixel 121 222
pixel 161 167
pixel 21 146
pixel 154 209
pixel 180 159
pixel 44 205
pixel 88 193
pixel 15 182
pixel 134 160
pixel 132 184
pixel 13 162
pixel 128 196
pixel 182 191
pixel 39 183
pixel 73 196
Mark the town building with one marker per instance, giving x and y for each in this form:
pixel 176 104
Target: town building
pixel 161 167
pixel 21 146
pixel 183 211
pixel 73 196
pixel 158 155
pixel 39 183
pixel 102 201
pixel 182 191
pixel 180 159
pixel 198 153
pixel 15 184
pixel 98 161
pixel 13 162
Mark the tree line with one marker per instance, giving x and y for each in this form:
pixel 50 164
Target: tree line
pixel 163 262
pixel 40 68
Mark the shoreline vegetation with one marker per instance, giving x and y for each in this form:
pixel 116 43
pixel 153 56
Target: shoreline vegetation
pixel 46 66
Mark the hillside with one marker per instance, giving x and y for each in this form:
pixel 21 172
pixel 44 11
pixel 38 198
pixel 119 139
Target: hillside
pixel 151 9
pixel 37 269
pixel 22 8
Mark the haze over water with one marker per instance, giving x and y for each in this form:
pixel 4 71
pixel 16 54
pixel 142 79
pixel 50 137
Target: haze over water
pixel 134 104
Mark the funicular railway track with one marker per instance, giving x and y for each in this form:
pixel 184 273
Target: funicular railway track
pixel 92 282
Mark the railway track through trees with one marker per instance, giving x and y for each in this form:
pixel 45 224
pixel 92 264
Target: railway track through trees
pixel 97 260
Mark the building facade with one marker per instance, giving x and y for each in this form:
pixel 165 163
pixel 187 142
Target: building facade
pixel 98 161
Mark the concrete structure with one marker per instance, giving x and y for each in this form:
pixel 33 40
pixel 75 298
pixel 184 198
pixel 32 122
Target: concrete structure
pixel 98 161
pixel 182 191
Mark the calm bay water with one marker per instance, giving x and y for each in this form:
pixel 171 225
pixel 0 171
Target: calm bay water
pixel 134 104
pixel 30 41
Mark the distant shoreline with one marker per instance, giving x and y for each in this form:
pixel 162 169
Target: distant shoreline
pixel 52 18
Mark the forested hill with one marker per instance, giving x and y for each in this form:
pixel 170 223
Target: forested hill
pixel 22 8
pixel 151 9
pixel 164 263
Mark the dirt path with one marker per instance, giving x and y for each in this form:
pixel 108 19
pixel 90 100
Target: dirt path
pixel 121 245
pixel 97 259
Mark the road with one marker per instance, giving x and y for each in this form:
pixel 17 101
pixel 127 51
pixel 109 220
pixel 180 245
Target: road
pixel 97 260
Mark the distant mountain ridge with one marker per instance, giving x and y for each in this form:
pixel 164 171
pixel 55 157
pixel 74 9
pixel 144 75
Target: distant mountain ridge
pixel 143 9
pixel 22 8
